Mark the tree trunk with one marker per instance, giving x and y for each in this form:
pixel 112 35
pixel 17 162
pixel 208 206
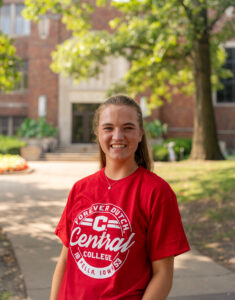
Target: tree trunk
pixel 205 144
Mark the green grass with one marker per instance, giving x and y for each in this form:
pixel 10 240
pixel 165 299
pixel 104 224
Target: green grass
pixel 5 295
pixel 206 196
pixel 222 214
pixel 199 180
pixel 230 157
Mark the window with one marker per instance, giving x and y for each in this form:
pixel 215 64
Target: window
pixel 23 83
pixel 12 22
pixel 17 121
pixel 5 19
pixel 227 95
pixel 4 125
pixel 10 125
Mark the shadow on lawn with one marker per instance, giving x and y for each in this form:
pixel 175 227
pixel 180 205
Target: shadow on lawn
pixel 208 213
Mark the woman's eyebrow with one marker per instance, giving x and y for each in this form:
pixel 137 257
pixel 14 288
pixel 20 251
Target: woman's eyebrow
pixel 107 124
pixel 125 124
pixel 129 123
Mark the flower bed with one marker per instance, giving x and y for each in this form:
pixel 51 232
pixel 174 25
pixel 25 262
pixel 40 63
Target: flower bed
pixel 12 163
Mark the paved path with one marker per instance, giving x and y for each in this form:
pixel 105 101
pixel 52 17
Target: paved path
pixel 30 206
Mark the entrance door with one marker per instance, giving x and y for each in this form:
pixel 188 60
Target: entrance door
pixel 82 123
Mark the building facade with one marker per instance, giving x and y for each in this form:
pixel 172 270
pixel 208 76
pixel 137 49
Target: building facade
pixel 70 107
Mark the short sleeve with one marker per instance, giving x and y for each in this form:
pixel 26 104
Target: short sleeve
pixel 166 236
pixel 64 225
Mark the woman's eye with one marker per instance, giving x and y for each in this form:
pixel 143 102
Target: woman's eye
pixel 107 128
pixel 128 128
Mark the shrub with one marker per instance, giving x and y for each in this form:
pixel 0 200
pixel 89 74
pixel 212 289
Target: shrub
pixel 160 152
pixel 36 128
pixel 155 128
pixel 10 145
pixel 186 143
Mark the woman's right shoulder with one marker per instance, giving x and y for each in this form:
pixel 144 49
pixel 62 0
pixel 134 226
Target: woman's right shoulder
pixel 87 180
pixel 85 183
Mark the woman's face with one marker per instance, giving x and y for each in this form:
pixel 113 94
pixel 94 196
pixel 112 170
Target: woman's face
pixel 119 133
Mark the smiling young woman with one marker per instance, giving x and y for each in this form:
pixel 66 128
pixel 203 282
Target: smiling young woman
pixel 121 224
pixel 118 135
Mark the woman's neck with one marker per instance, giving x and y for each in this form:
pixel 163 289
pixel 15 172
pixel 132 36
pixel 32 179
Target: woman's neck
pixel 118 171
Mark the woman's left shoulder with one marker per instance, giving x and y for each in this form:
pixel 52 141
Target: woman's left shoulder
pixel 154 180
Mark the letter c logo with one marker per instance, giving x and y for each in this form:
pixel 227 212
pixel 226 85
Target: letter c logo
pixel 96 225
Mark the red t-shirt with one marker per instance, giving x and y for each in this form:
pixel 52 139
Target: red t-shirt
pixel 114 234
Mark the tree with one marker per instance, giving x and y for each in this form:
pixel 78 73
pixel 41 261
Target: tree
pixel 9 63
pixel 172 45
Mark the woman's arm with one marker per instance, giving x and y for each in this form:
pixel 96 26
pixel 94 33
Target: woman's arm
pixel 161 281
pixel 59 273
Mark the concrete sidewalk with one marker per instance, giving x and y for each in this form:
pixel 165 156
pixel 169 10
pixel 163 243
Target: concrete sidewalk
pixel 30 207
pixel 198 277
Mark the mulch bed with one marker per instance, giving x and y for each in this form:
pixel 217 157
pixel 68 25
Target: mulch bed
pixel 12 286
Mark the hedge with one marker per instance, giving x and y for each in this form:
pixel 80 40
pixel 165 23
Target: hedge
pixel 10 145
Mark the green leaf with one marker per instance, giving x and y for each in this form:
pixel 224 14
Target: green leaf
pixel 101 2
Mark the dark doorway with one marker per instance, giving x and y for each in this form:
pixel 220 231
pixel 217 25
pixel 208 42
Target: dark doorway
pixel 82 123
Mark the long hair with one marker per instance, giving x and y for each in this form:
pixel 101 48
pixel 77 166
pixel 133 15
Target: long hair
pixel 142 154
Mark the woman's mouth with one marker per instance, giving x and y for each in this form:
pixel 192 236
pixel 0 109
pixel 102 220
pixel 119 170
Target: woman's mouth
pixel 118 146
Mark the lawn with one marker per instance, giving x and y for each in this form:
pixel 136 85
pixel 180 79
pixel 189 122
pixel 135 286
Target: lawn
pixel 206 196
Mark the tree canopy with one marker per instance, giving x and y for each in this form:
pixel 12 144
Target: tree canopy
pixel 156 36
pixel 9 64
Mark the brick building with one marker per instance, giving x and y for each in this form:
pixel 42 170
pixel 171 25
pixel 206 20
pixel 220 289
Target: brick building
pixel 70 107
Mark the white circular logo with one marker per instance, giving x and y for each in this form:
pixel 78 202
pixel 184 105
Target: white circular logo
pixel 100 240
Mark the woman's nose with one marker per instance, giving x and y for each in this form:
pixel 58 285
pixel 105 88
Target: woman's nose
pixel 117 134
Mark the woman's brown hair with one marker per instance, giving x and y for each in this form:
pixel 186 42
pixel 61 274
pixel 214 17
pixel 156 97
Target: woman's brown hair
pixel 142 155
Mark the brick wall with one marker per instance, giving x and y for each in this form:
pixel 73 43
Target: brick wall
pixel 179 116
pixel 41 80
pixel 225 119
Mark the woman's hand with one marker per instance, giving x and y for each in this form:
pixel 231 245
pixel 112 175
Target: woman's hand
pixel 161 281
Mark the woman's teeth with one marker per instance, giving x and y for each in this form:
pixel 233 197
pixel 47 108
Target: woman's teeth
pixel 118 146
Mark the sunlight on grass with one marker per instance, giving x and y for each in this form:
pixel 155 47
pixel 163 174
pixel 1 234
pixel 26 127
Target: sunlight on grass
pixel 195 180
